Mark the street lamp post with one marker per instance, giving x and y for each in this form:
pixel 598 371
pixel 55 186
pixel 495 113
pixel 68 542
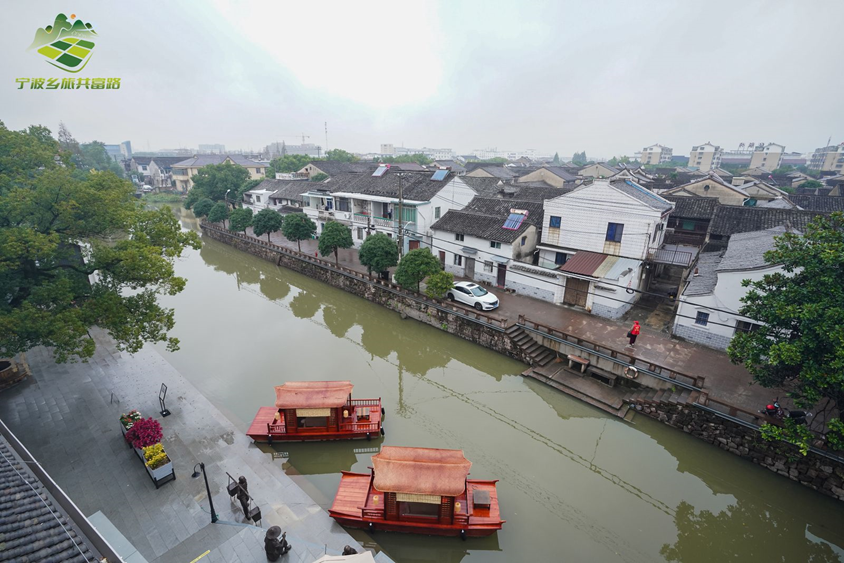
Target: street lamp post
pixel 207 489
pixel 226 197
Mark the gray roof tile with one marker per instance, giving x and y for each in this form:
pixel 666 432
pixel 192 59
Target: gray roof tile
pixel 746 250
pixel 484 218
pixel 731 219
pixel 206 159
pixel 643 195
pixel 417 186
pixel 704 282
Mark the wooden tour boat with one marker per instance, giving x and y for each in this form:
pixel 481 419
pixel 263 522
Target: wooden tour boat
pixel 420 491
pixel 317 410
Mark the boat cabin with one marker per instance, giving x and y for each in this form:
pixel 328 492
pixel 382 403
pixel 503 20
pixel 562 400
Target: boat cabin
pixel 418 490
pixel 317 410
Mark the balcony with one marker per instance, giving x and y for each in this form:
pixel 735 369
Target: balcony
pixel 365 219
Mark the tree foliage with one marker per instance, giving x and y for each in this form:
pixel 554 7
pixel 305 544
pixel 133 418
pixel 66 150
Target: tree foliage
pixel 219 212
pixel 418 158
pixel 288 163
pixel 439 283
pixel 77 250
pixel 203 207
pixel 321 177
pixel 266 221
pixel 811 184
pixel 298 227
pixel 378 253
pixel 334 236
pixel 799 345
pixel 556 161
pixel 215 180
pixel 415 266
pixel 340 155
pixel 579 158
pixel 240 219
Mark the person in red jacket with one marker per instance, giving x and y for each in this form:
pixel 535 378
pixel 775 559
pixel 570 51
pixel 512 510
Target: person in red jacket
pixel 633 333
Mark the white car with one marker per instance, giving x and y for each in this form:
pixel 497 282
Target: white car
pixel 474 295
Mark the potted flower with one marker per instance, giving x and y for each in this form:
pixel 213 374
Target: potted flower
pixel 158 464
pixel 127 420
pixel 145 432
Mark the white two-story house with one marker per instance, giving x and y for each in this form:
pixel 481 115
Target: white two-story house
pixel 596 241
pixel 708 306
pixel 490 241
pixel 284 196
pixel 370 203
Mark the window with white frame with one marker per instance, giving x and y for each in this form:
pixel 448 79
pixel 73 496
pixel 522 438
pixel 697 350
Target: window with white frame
pixel 702 318
pixel 488 267
pixel 360 233
pixel 436 213
pixel 458 260
pixel 493 244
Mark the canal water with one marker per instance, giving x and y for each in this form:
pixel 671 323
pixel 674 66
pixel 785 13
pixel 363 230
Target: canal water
pixel 574 483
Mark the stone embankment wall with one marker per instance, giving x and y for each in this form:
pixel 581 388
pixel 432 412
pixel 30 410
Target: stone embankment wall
pixel 482 329
pixel 813 470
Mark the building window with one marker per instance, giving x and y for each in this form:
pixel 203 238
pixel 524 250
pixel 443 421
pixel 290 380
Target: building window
pixel 702 318
pixel 493 244
pixel 614 232
pixel 560 258
pixel 436 213
pixel 744 326
pixel 488 267
pixel 257 199
pixel 524 240
pixel 555 222
pixel 360 233
pixel 458 237
pixel 458 260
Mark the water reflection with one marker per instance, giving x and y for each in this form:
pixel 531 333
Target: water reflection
pixel 305 305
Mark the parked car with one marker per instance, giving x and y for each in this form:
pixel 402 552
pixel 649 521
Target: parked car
pixel 474 295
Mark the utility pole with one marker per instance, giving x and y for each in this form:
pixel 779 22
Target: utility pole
pixel 401 215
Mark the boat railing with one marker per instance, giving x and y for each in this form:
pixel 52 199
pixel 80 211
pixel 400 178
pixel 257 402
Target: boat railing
pixel 462 519
pixel 359 427
pixel 364 402
pixel 277 428
pixel 372 512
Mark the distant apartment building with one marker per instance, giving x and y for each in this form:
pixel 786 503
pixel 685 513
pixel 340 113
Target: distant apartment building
pixel 656 154
pixel 126 150
pixel 274 150
pixel 114 152
pixel 828 159
pixel 705 157
pixel 767 157
pixel 388 149
pixel 438 154
pixel 212 149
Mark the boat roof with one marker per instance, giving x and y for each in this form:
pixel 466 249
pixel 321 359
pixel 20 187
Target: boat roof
pixel 312 394
pixel 420 471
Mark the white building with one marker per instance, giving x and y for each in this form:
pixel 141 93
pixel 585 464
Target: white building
pixel 369 203
pixel 656 154
pixel 284 196
pixel 705 157
pixel 438 154
pixel 491 241
pixel 596 240
pixel 212 149
pixel 767 157
pixel 709 304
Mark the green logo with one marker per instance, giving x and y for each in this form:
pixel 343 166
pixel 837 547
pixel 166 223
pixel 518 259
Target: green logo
pixel 67 44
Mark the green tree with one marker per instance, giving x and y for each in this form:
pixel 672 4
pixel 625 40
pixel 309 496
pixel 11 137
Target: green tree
pixel 240 219
pixel 79 251
pixel 266 221
pixel 418 158
pixel 782 170
pixel 415 266
pixel 218 213
pixel 798 345
pixel 378 253
pixel 321 177
pixel 298 227
pixel 288 163
pixel 93 156
pixel 579 158
pixel 203 207
pixel 439 283
pixel 340 155
pixel 237 199
pixel 811 184
pixel 556 161
pixel 334 236
pixel 215 181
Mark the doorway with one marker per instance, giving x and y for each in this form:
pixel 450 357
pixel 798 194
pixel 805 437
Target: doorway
pixel 470 268
pixel 577 291
pixel 502 275
pixel 442 259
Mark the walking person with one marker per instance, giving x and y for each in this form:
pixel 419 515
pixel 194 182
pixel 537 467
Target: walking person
pixel 633 333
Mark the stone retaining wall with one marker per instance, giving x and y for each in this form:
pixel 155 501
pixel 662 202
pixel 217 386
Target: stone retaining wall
pixel 813 470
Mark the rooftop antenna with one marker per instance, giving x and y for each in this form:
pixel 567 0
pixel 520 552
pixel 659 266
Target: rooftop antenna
pixel 326 136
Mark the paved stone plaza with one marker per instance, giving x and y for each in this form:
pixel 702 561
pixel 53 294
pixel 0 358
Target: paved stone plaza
pixel 67 416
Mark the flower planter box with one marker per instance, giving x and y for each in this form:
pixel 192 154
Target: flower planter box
pixel 160 475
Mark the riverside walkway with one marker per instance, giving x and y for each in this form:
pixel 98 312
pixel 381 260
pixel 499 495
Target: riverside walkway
pixel 67 416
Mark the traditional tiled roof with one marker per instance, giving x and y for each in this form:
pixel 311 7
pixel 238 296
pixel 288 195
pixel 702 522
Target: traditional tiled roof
pixel 142 160
pixel 692 207
pixel 562 173
pixel 285 189
pixel 819 203
pixel 643 195
pixel 166 162
pixel 484 218
pixel 495 170
pixel 201 160
pixel 416 186
pixel 453 164
pixel 335 167
pixel 746 250
pixel 731 219
pixel 32 525
pixel 706 279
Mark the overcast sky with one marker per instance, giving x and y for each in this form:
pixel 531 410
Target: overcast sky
pixel 604 77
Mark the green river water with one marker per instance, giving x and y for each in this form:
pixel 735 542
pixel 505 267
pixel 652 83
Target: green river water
pixel 575 484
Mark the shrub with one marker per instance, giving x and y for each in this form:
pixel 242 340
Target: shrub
pixel 439 284
pixel 145 432
pixel 155 456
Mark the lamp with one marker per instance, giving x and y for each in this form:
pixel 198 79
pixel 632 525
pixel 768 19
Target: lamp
pixel 207 488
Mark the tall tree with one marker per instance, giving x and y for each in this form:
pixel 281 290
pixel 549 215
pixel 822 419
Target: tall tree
pixel 340 155
pixel 334 236
pixel 203 207
pixel 298 227
pixel 378 253
pixel 215 181
pixel 288 163
pixel 556 161
pixel 218 213
pixel 799 345
pixel 240 219
pixel 78 252
pixel 415 266
pixel 266 221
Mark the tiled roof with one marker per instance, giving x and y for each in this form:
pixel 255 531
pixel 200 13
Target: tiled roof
pixel 704 282
pixel 731 219
pixel 484 218
pixel 453 164
pixel 142 160
pixel 643 195
pixel 820 203
pixel 335 167
pixel 562 173
pixel 692 207
pixel 285 189
pixel 32 525
pixel 417 186
pixel 493 169
pixel 206 159
pixel 746 250
pixel 493 187
pixel 166 162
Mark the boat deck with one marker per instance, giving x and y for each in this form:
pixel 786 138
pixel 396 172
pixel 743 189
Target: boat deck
pixel 358 503
pixel 262 426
